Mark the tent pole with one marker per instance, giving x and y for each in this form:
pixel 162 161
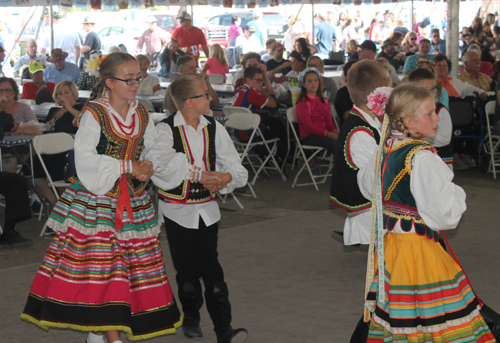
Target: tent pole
pixel 453 31
pixel 42 18
pixel 312 31
pixel 412 15
pixel 51 25
pixel 21 33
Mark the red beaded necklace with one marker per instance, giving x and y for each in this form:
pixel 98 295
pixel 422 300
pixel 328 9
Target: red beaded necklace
pixel 124 128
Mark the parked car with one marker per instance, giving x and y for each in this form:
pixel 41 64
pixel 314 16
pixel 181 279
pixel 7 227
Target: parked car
pixel 275 23
pixel 120 34
pixel 215 34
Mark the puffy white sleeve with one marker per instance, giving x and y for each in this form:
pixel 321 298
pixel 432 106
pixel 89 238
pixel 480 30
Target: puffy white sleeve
pixel 444 131
pixel 439 201
pixel 363 149
pixel 465 88
pixel 228 160
pixel 98 173
pixel 171 167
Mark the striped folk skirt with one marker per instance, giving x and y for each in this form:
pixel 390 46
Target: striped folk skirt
pixel 94 278
pixel 428 298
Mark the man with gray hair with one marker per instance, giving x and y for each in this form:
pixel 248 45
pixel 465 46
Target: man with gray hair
pixel 324 33
pixel 185 65
pixel 471 73
pixel 31 55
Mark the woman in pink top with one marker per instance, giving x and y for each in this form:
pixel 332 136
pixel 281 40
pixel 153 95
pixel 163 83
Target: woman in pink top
pixel 313 113
pixel 235 30
pixel 217 62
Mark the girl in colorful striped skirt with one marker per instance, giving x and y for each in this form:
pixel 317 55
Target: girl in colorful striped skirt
pixel 415 291
pixel 104 270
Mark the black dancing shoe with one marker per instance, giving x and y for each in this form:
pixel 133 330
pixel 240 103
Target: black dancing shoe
pixel 15 240
pixel 191 328
pixel 234 336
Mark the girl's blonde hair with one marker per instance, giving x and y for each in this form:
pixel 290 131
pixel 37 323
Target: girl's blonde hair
pixel 404 102
pixel 139 58
pixel 218 53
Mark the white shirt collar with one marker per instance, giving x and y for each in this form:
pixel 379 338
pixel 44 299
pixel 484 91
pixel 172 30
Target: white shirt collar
pixel 180 121
pixel 372 121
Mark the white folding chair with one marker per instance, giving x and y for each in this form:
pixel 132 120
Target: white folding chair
pixel 28 102
pixel 299 153
pixel 492 143
pixel 243 119
pixel 50 144
pixel 215 78
pixel 335 116
pixel 148 104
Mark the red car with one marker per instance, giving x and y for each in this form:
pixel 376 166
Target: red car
pixel 214 34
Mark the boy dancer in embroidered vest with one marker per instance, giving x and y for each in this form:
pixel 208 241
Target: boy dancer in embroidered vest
pixel 198 159
pixel 357 142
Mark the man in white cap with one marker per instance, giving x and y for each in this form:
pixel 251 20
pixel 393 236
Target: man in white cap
pixel 31 55
pixel 190 37
pixel 65 38
pixel 92 40
pixel 260 27
pixel 248 41
pixel 154 37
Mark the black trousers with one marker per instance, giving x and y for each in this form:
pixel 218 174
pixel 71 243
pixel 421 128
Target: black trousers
pixel 321 141
pixel 194 253
pixel 15 190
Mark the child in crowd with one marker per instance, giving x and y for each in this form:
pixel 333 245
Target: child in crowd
pixel 343 103
pixel 442 93
pixel 198 159
pixel 270 51
pixel 416 291
pixel 357 141
pixel 313 113
pixel 92 277
pixel 254 96
pixel 149 84
pixel 217 62
pixel 298 65
pixel 442 140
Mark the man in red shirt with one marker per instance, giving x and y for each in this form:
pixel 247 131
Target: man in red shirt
pixel 190 37
pixel 32 87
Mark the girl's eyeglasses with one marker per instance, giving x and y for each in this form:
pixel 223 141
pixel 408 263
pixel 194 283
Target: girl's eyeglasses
pixel 129 82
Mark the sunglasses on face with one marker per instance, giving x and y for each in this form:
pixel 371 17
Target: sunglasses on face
pixel 197 96
pixel 435 36
pixel 129 82
pixel 413 39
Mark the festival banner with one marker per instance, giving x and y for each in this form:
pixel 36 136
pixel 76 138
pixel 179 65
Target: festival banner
pixel 238 3
pixel 263 3
pixel 95 4
pixel 67 3
pixel 149 3
pixel 251 3
pixel 109 5
pixel 135 4
pixel 122 4
pixel 217 3
pixel 81 4
pixel 275 3
pixel 285 2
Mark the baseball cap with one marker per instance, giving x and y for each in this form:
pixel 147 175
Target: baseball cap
pixel 256 14
pixel 184 16
pixel 369 45
pixel 89 20
pixel 35 66
pixel 250 28
pixel 151 19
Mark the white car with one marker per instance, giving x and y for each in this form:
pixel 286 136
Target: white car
pixel 118 34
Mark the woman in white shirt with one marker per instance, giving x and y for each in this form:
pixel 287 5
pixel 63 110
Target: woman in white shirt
pixel 149 84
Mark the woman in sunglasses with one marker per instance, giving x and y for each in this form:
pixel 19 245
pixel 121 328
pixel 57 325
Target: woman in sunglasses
pixel 107 233
pixel 410 44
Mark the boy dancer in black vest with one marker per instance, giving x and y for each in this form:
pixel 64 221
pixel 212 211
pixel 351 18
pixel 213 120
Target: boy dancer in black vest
pixel 195 158
pixel 357 143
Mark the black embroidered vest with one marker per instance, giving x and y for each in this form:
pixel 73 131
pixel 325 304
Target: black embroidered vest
pixel 344 190
pixel 191 192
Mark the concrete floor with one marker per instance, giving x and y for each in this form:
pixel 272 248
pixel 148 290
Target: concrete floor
pixel 289 280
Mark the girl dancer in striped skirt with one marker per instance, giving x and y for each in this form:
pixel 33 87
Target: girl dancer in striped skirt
pixel 104 270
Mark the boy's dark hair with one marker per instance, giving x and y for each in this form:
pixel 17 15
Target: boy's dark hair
pixel 298 56
pixel 421 74
pixel 250 73
pixel 270 42
pixel 251 55
pixel 443 57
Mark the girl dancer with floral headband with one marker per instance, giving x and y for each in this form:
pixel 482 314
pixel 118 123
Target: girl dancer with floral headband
pixel 104 270
pixel 415 291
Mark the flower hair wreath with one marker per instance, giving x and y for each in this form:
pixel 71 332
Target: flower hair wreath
pixel 425 60
pixel 378 99
pixel 93 64
pixel 307 70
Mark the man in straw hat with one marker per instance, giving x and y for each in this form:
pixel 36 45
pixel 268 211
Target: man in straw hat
pixel 60 70
pixel 65 38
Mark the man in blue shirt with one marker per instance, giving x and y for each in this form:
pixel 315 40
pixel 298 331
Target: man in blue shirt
pixel 324 33
pixel 438 45
pixel 260 27
pixel 60 70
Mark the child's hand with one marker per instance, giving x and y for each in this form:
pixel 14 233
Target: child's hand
pixel 16 126
pixel 142 170
pixel 225 178
pixel 211 181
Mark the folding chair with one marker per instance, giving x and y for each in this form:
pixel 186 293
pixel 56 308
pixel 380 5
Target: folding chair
pixel 148 104
pixel 466 115
pixel 335 116
pixel 215 78
pixel 50 144
pixel 243 119
pixel 291 115
pixel 28 102
pixel 492 144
